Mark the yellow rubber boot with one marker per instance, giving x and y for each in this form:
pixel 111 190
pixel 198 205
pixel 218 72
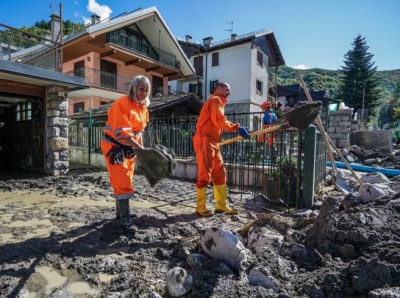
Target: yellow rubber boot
pixel 221 204
pixel 201 208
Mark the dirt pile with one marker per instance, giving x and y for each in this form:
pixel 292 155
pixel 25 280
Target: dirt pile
pixel 59 239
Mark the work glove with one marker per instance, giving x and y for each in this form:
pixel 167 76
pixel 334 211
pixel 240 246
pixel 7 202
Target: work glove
pixel 116 155
pixel 242 131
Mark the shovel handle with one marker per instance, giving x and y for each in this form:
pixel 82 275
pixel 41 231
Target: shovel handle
pixel 256 133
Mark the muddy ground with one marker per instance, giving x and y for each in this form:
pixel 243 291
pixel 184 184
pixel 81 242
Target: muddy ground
pixel 59 238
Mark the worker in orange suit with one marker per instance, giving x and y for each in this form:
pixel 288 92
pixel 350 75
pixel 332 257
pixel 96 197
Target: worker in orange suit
pixel 210 125
pixel 269 120
pixel 127 118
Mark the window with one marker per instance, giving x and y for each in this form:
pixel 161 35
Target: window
pixel 215 59
pixel 193 88
pixel 213 84
pixel 259 58
pixel 23 112
pixel 259 86
pixel 79 107
pixel 198 65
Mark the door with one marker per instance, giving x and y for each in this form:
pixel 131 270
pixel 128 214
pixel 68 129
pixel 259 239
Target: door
pixel 157 85
pixel 37 137
pixel 108 74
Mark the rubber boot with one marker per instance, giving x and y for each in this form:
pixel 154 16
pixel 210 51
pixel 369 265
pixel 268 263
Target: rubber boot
pixel 117 215
pixel 221 204
pixel 123 206
pixel 201 197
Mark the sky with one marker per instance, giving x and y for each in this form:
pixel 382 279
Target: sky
pixel 310 33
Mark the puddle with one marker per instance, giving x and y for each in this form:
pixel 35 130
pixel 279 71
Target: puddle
pixel 50 279
pixel 81 288
pixel 106 278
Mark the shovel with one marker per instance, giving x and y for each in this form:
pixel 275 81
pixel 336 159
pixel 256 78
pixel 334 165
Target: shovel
pixel 156 163
pixel 338 180
pixel 299 117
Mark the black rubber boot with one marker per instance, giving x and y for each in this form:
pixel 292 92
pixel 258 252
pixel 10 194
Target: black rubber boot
pixel 117 215
pixel 123 206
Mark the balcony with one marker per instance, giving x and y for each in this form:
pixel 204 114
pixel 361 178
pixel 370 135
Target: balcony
pixel 139 46
pixel 103 79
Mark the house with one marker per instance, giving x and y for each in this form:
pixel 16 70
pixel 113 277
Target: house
pixel 109 54
pixel 243 61
pixel 289 95
pixel 41 84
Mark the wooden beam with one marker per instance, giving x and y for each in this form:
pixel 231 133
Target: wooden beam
pixel 133 61
pixel 152 68
pixel 22 88
pixel 170 74
pixel 108 53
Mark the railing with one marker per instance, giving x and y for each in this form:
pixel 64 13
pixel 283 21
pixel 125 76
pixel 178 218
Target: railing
pixel 26 48
pixel 103 79
pixel 140 46
pixel 275 173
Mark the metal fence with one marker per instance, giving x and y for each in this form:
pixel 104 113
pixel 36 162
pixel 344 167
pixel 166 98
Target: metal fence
pixel 275 174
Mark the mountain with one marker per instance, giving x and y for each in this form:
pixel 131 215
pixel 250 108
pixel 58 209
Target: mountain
pixel 318 79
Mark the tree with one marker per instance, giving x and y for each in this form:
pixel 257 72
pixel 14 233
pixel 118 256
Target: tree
pixel 359 85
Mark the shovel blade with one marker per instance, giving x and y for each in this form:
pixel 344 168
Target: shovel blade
pixel 154 164
pixel 303 114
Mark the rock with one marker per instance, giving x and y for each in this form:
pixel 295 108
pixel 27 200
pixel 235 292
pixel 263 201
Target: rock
pixel 367 275
pixel 374 177
pixel 196 261
pixel 369 192
pixel 260 276
pixel 183 253
pixel 179 282
pixel 222 245
pixel 260 237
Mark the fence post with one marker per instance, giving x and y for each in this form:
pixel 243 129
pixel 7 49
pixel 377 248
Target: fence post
pixel 310 141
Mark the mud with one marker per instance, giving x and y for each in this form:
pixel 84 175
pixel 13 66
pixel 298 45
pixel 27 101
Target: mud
pixel 59 238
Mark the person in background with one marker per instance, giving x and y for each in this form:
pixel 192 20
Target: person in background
pixel 127 118
pixel 269 120
pixel 209 127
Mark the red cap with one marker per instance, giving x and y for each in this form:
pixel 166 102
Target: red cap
pixel 265 105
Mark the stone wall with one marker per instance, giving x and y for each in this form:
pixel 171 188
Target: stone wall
pixel 57 130
pixel 340 125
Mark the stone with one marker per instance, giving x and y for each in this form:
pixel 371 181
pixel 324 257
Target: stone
pixel 179 282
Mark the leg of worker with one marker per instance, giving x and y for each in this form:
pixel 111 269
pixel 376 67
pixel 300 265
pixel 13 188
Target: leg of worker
pixel 121 179
pixel 218 175
pixel 204 164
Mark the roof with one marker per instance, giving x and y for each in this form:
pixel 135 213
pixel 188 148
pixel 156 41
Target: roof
pixel 186 104
pixel 153 26
pixel 35 75
pixel 256 38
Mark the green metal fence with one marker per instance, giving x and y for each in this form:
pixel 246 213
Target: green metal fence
pixel 286 173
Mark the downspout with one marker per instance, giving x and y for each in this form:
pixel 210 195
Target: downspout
pixel 90 129
pixel 205 77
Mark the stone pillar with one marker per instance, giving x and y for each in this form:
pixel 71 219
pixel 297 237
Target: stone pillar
pixel 57 130
pixel 339 127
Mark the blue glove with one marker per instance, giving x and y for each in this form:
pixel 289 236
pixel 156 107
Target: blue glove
pixel 242 131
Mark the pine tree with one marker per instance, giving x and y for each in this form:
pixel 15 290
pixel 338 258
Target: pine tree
pixel 359 85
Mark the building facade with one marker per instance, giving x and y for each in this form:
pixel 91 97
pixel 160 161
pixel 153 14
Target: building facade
pixel 242 61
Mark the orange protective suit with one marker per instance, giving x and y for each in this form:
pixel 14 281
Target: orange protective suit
pixel 212 121
pixel 126 119
pixel 269 120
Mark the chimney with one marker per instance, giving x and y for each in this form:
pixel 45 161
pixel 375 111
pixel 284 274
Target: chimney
pixel 207 42
pixel 55 25
pixel 95 19
pixel 233 36
pixel 188 38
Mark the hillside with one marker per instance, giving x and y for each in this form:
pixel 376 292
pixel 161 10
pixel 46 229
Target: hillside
pixel 323 79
